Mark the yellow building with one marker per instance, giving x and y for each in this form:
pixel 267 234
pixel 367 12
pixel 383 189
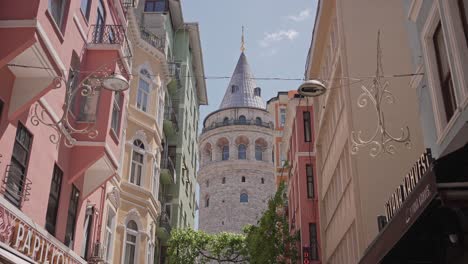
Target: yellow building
pixel 353 189
pixel 133 214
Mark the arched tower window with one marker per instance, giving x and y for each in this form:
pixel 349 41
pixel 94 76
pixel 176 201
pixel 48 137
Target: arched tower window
pixel 226 121
pixel 234 88
pixel 131 242
pixel 258 121
pixel 242 119
pixel 257 91
pixel 260 146
pixel 207 201
pixel 224 180
pixel 244 198
pixel 225 152
pixel 242 152
pixel 243 179
pixel 263 181
pixel 138 160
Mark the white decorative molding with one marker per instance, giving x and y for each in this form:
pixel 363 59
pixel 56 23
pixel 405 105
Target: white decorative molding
pixel 80 28
pixel 114 197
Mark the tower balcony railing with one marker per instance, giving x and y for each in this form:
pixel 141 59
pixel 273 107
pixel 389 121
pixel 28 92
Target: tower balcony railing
pixel 153 39
pixel 15 186
pixel 238 122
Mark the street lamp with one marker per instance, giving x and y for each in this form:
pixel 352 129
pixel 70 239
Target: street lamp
pixel 311 88
pixel 115 83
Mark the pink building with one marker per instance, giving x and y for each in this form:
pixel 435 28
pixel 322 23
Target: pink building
pixel 58 151
pixel 298 145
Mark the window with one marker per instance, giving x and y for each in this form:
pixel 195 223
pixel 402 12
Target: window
pixel 282 117
pixel 263 181
pixel 257 91
pixel 71 219
pixel 156 174
pixel 258 152
pixel 463 7
pixel 234 88
pixel 85 7
pixel 57 10
pixel 313 242
pixel 207 202
pixel 243 179
pixel 310 181
pixel 137 162
pixel 242 119
pixel 224 180
pixel 207 183
pixel 242 149
pixel 109 237
pixel 116 112
pixel 445 76
pixel 54 198
pixel 244 198
pixel 226 121
pixel 161 111
pixel 155 6
pixel 225 152
pixel 307 127
pixel 88 223
pixel 131 242
pixel 143 94
pixel 16 179
pixel 258 121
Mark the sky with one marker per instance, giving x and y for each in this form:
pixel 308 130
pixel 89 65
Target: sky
pixel 277 39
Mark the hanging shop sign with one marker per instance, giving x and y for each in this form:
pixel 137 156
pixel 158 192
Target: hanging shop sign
pixel 23 238
pixel 404 190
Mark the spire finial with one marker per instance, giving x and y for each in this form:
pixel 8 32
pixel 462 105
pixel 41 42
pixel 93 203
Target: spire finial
pixel 242 40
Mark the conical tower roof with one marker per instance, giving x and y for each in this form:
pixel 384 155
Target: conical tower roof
pixel 240 91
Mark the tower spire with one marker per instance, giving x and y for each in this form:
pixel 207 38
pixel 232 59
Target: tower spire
pixel 242 41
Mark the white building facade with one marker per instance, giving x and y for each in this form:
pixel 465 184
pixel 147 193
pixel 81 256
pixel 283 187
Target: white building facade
pixel 236 174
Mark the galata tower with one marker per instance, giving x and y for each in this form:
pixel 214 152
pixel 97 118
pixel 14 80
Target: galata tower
pixel 236 175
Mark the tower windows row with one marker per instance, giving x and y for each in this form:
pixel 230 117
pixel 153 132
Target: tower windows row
pixel 242 144
pixel 242 120
pixel 243 198
pixel 243 179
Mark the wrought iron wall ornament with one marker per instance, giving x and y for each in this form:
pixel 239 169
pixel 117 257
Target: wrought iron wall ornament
pixel 88 87
pixel 378 93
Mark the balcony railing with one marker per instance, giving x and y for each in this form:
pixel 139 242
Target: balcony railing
pixel 168 171
pixel 238 122
pixel 171 126
pixel 153 39
pixel 97 253
pixel 15 186
pixel 112 35
pixel 128 3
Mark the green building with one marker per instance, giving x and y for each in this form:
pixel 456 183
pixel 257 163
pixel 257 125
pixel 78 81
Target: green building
pixel 161 25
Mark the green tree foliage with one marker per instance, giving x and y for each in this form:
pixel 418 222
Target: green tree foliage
pixel 190 246
pixel 270 240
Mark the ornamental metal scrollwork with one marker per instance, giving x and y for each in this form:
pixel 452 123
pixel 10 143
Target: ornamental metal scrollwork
pixel 88 87
pixel 381 140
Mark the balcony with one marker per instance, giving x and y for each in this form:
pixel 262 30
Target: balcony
pixel 237 123
pixel 111 37
pixel 164 229
pixel 15 186
pixel 170 125
pixel 98 253
pixel 168 172
pixel 153 39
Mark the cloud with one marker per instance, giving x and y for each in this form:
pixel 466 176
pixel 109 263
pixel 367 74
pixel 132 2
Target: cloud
pixel 278 36
pixel 303 15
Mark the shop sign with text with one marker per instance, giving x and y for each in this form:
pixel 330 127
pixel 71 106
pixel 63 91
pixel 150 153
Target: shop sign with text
pixel 403 191
pixel 22 237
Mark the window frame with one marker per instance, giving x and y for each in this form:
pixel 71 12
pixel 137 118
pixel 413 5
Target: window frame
pixel 310 181
pixel 117 112
pixel 258 152
pixel 242 152
pixel 22 166
pixel 143 97
pixel 109 235
pixel 86 12
pixel 313 242
pixel 225 152
pixel 307 126
pixel 244 197
pixel 61 20
pixel 282 117
pixel 72 217
pixel 137 150
pixel 136 245
pixel 155 8
pixel 57 178
pixel 464 18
